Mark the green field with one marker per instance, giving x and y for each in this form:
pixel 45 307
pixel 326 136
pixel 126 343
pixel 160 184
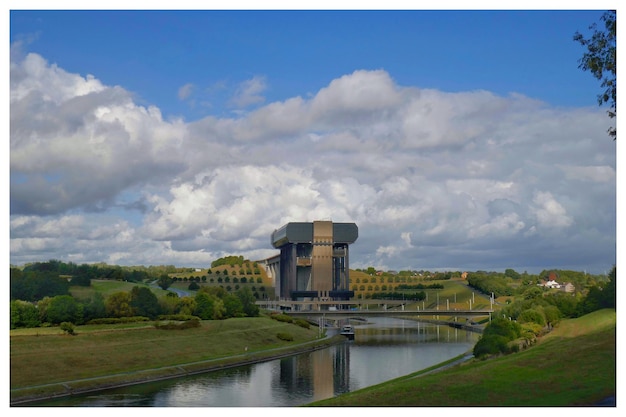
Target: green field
pixel 121 353
pixel 107 287
pixel 575 364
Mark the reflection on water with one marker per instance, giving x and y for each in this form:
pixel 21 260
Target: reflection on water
pixel 383 349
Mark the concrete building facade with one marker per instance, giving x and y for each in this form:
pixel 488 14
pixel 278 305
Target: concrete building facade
pixel 314 260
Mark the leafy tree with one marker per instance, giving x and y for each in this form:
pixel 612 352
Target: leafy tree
pixel 532 316
pixel 532 293
pixel 218 292
pixel 600 60
pixel 169 303
pixel 42 308
pixel 164 281
pixel 118 305
pixel 609 289
pixel 204 306
pixel 512 273
pixel 248 301
pixel 64 308
pixel 233 306
pixel 193 286
pixel 565 303
pixel 24 314
pixel 186 305
pixel 94 307
pixel 144 302
pixel 33 284
pixel 219 310
pixel 600 296
pixel 552 314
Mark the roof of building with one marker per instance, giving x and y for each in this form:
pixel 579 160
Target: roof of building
pixel 299 232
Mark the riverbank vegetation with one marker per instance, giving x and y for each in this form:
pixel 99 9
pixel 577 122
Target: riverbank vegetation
pixel 575 364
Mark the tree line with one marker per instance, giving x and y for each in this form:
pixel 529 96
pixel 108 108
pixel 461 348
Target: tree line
pixel 140 303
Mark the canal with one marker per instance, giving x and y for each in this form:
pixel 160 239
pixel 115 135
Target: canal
pixel 383 348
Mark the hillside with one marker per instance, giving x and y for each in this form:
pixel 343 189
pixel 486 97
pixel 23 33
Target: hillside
pixel 573 365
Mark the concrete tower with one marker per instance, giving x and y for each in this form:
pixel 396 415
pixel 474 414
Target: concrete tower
pixel 314 260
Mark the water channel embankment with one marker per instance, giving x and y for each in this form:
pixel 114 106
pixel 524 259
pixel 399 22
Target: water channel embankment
pixel 31 394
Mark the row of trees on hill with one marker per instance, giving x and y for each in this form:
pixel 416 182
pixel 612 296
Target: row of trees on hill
pixel 209 303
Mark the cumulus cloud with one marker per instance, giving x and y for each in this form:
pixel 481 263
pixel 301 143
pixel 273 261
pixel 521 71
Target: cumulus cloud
pixel 77 143
pixel 466 180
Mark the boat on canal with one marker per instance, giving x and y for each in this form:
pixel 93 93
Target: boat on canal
pixel 347 331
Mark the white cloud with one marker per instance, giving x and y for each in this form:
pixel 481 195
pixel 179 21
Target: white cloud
pixel 76 143
pixel 185 91
pixel 249 92
pixel 430 178
pixel 549 212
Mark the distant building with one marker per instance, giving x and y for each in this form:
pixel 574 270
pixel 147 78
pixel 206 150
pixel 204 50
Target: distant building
pixel 550 284
pixel 314 260
pixel 550 281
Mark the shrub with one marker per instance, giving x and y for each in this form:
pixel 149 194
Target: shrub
pixel 503 327
pixel 282 317
pixel 532 316
pixel 496 337
pixel 491 345
pixel 284 336
pixel 302 323
pixel 67 327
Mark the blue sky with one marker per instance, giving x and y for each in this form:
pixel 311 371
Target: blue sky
pixel 155 53
pixel 454 139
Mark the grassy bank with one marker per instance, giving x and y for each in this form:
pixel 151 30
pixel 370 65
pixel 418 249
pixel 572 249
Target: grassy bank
pixel 574 365
pixel 46 362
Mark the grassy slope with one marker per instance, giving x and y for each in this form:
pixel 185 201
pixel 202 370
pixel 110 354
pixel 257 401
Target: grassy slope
pixel 573 365
pixel 54 358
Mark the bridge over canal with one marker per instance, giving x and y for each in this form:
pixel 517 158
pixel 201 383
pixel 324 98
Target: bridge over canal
pixel 354 308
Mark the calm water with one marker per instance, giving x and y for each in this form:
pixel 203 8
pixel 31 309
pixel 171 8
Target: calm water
pixel 383 349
